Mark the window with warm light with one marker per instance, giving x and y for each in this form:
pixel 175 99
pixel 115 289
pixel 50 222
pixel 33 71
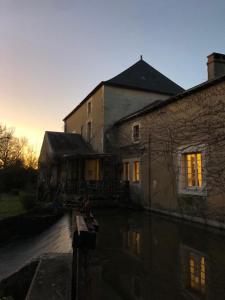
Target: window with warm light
pixel 193 169
pixel 136 171
pixel 126 171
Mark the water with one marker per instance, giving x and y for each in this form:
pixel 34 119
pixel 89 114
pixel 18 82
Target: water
pixel 150 257
pixel 140 257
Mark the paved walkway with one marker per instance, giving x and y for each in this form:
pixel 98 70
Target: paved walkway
pixel 52 279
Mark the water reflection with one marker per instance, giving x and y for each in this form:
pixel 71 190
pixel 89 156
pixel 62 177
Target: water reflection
pixel 194 271
pixel 144 257
pixel 138 257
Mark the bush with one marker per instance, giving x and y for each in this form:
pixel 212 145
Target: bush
pixel 28 201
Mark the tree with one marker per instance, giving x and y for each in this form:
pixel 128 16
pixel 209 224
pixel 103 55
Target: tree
pixel 11 147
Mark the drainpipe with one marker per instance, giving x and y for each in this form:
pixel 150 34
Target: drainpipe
pixel 149 170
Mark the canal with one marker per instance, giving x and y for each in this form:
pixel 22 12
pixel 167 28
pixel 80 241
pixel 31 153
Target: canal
pixel 139 257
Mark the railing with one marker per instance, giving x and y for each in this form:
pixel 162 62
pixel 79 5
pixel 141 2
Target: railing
pixel 98 188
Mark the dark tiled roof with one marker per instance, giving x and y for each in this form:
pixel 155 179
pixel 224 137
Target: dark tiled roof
pixel 67 143
pixel 140 76
pixel 143 76
pixel 159 103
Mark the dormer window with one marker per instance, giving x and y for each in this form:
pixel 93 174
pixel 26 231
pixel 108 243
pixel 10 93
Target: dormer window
pixel 136 132
pixel 89 108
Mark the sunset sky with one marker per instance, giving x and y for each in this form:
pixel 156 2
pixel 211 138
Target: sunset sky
pixel 53 52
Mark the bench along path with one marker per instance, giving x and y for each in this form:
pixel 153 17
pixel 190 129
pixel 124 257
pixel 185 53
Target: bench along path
pixel 52 279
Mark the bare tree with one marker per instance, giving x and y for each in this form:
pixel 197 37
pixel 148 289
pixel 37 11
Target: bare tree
pixel 11 147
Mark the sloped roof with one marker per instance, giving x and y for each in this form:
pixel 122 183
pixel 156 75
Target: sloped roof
pixel 159 103
pixel 143 76
pixel 140 76
pixel 67 143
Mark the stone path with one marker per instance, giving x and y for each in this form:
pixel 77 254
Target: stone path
pixel 52 279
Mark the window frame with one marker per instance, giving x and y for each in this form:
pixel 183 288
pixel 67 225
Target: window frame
pixel 134 173
pixel 126 171
pixel 183 187
pixel 136 139
pixel 89 104
pixel 87 136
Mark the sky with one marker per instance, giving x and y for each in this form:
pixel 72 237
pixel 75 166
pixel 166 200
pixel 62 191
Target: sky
pixel 54 52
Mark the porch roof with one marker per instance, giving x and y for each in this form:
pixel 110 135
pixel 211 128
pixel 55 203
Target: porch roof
pixel 86 155
pixel 67 144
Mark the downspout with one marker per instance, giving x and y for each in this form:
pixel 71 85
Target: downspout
pixel 149 170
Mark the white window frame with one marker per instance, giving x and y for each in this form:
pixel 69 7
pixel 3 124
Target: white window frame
pixel 182 185
pixel 139 137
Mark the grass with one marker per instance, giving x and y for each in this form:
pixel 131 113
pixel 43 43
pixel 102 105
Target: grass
pixel 10 205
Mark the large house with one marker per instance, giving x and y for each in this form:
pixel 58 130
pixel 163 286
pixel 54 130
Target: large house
pixel 142 128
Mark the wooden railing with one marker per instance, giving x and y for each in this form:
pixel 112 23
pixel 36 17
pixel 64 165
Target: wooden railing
pixel 98 188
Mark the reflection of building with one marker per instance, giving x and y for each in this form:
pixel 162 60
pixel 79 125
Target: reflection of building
pixel 193 273
pixel 132 241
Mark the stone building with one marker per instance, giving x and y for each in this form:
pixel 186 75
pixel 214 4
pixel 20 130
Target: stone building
pixel 167 143
pixel 173 151
pixel 92 120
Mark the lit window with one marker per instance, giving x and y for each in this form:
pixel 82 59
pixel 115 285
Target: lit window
pixel 197 272
pixel 136 171
pixel 89 133
pixel 193 169
pixel 126 171
pixel 136 132
pixel 89 108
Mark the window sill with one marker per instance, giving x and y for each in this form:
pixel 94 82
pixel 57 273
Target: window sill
pixel 136 141
pixel 196 191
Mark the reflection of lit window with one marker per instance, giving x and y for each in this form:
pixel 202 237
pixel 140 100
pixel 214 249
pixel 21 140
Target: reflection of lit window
pixel 126 171
pixel 193 169
pixel 197 272
pixel 133 242
pixel 136 171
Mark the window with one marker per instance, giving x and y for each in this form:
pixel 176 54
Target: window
pixel 89 108
pixel 136 171
pixel 92 169
pixel 136 132
pixel 89 131
pixel 193 169
pixel 192 173
pixel 126 171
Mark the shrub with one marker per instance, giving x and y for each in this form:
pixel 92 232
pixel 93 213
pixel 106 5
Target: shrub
pixel 28 200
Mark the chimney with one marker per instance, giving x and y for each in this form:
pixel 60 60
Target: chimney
pixel 216 65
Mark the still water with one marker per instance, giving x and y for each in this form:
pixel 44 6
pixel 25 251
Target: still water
pixel 140 257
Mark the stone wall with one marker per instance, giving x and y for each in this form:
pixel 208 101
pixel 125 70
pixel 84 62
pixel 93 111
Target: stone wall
pixel 196 120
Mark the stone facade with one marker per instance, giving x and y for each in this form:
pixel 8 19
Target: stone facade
pixel 191 123
pixel 108 105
